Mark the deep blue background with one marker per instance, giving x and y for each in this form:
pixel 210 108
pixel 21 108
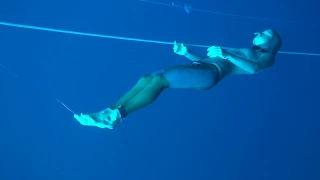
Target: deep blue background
pixel 264 126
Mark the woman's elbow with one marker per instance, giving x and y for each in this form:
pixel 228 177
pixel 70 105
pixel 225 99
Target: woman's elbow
pixel 253 69
pixel 257 68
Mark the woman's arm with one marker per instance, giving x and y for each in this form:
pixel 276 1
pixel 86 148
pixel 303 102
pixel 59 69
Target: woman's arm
pixel 193 56
pixel 252 66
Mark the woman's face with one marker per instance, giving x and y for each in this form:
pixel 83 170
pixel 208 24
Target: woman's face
pixel 262 38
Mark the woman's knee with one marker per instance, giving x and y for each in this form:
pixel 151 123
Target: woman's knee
pixel 145 80
pixel 160 79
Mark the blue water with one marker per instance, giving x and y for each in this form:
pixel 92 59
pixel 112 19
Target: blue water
pixel 264 126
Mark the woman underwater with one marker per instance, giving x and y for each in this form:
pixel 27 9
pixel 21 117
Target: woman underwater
pixel 203 73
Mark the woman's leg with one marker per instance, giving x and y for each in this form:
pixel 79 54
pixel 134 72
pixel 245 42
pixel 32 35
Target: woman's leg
pixel 101 118
pixel 147 90
pixel 147 95
pixel 141 84
pixel 195 76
